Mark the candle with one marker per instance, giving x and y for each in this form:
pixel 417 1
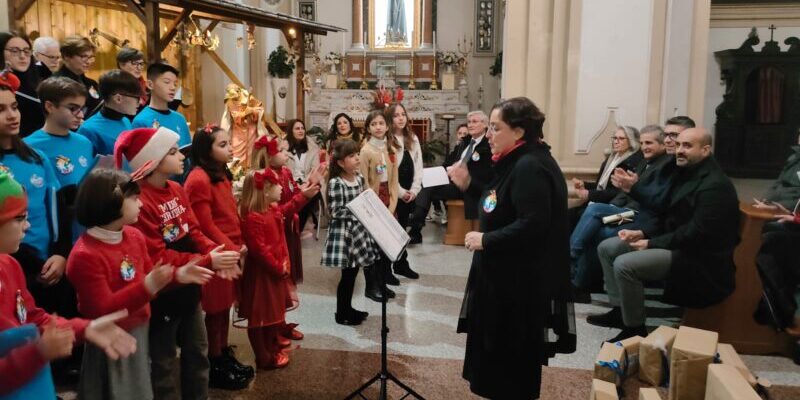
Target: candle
pixel 480 80
pixel 434 42
pixel 343 43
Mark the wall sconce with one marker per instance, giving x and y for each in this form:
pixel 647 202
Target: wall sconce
pixel 292 33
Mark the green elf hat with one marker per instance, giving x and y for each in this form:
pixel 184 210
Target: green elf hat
pixel 13 200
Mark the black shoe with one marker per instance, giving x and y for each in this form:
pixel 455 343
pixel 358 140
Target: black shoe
pixel 402 268
pixel 581 296
pixel 347 319
pixel 390 293
pixel 389 277
pixel 372 290
pixel 359 315
pixel 611 319
pixel 628 332
pixel 242 369
pixel 416 236
pixel 222 375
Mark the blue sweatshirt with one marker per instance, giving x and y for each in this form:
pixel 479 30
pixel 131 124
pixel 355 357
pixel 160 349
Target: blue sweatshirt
pixel 169 119
pixel 71 155
pixel 103 128
pixel 41 184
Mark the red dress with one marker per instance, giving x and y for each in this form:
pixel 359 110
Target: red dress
pixel 215 208
pixel 266 293
pixel 292 226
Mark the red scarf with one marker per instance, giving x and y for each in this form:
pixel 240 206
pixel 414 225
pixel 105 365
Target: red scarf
pixel 499 156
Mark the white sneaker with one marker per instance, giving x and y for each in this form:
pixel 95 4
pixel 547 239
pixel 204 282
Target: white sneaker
pixel 444 218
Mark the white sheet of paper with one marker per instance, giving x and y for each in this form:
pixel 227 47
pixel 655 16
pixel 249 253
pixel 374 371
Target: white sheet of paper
pixel 380 223
pixel 434 176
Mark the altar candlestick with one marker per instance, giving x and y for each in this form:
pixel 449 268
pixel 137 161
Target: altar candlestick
pixel 480 80
pixel 434 43
pixel 343 43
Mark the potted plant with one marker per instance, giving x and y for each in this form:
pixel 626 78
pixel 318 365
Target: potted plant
pixel 497 68
pixel 432 149
pixel 280 65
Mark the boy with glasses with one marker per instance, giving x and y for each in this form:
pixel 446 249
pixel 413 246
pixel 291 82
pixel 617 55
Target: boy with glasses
pixel 120 92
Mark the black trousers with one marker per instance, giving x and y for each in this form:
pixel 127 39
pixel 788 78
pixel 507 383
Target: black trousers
pixel 344 292
pixel 427 196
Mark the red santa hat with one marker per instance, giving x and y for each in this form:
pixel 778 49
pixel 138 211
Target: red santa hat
pixel 144 147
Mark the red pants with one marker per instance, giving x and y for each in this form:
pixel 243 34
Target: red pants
pixel 264 343
pixel 217 328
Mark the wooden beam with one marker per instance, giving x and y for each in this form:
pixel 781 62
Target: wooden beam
pixel 20 9
pixel 300 94
pixel 151 24
pixel 224 67
pixel 211 26
pixel 172 30
pixel 136 10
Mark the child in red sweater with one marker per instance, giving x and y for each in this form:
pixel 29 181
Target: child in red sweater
pixel 266 281
pixel 273 154
pixel 110 269
pixel 211 196
pixel 173 237
pixel 22 365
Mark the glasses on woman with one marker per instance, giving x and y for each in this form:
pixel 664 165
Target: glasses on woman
pixel 619 138
pixel 49 57
pixel 137 64
pixel 16 51
pixel 86 57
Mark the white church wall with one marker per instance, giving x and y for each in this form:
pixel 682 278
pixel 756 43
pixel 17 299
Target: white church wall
pixel 214 80
pixel 614 64
pixel 731 38
pixel 675 85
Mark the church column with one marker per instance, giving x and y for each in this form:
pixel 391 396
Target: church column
pixel 358 25
pixel 698 64
pixel 427 24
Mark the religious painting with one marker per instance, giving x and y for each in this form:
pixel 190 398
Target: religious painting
pixel 308 10
pixel 393 24
pixel 485 27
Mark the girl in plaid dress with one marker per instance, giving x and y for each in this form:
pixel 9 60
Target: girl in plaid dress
pixel 348 245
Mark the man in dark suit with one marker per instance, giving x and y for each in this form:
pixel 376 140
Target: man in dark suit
pixel 477 156
pixel 694 255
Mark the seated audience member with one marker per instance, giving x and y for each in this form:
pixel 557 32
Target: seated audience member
pixel 780 273
pixel 624 154
pixel 120 92
pixel 78 56
pixel 591 229
pixel 47 52
pixel 477 156
pixel 131 61
pixel 785 191
pixel 694 254
pixel 439 210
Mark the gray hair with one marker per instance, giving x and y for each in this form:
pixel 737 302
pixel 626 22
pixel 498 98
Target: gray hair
pixel 633 136
pixel 41 44
pixel 654 129
pixel 481 114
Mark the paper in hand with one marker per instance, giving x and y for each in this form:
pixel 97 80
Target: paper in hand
pixel 434 176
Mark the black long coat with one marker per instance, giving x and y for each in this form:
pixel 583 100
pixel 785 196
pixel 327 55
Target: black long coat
pixel 702 224
pixel 479 166
pixel 519 278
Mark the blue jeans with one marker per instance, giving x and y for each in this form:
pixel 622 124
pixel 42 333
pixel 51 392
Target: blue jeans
pixel 590 223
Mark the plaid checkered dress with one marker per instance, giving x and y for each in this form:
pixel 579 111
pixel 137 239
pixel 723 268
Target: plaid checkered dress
pixel 349 245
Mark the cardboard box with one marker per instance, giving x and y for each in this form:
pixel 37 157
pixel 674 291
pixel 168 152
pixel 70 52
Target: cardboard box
pixel 610 364
pixel 725 382
pixel 631 346
pixel 654 355
pixel 692 353
pixel 728 355
pixel 602 390
pixel 649 394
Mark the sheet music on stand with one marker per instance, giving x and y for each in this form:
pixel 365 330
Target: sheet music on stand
pixel 380 223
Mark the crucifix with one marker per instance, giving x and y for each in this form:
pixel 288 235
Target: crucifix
pixel 771 32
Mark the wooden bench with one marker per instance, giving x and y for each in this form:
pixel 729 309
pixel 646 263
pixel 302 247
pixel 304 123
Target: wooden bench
pixel 457 225
pixel 733 318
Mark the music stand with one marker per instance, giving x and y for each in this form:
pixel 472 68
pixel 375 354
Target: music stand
pixel 392 239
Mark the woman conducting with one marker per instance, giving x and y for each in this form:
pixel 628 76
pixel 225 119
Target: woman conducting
pixel 518 292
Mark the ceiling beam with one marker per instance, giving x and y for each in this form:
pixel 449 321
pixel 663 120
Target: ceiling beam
pixel 172 30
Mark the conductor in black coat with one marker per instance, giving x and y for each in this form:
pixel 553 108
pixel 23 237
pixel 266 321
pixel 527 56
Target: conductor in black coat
pixel 516 295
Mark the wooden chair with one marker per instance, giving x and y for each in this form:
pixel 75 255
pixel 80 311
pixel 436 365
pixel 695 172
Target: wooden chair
pixel 733 318
pixel 457 225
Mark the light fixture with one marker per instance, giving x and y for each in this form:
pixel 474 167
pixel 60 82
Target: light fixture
pixel 292 33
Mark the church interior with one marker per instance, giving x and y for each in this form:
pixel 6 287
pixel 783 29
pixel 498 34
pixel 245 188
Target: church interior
pixel 592 67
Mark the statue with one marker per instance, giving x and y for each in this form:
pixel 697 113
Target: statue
pixel 396 35
pixel 242 118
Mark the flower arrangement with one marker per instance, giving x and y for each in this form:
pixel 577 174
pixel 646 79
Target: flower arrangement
pixel 448 58
pixel 383 97
pixel 333 58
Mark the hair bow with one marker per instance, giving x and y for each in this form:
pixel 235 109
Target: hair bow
pixel 9 80
pixel 209 128
pixel 270 144
pixel 267 175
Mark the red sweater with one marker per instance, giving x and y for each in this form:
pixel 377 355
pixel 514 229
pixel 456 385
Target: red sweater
pixel 215 208
pixel 21 364
pixel 166 218
pixel 103 280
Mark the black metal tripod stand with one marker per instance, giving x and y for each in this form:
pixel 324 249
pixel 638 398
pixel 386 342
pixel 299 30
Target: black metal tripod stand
pixel 384 375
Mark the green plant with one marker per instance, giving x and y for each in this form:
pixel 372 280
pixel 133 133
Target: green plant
pixel 319 135
pixel 432 149
pixel 497 68
pixel 280 64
